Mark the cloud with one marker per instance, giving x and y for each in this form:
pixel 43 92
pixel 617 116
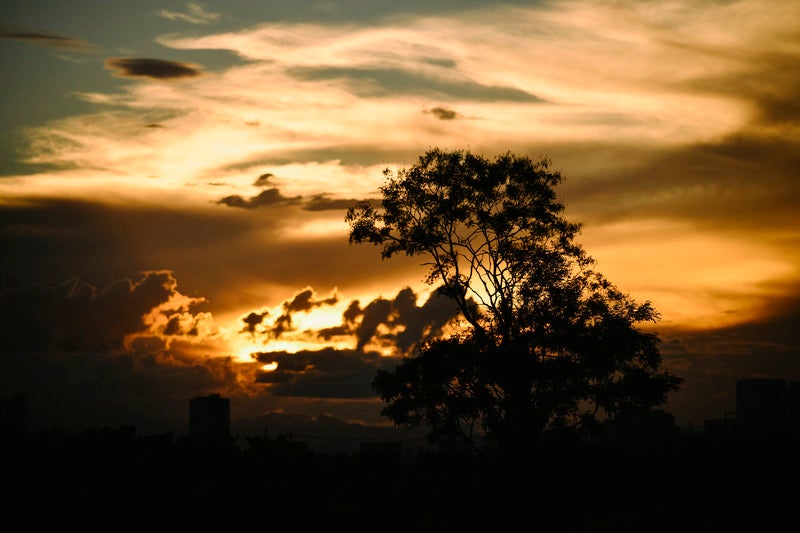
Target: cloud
pixel 268 197
pixel 303 301
pixel 159 69
pixel 252 321
pixel 379 82
pixel 442 113
pixel 323 202
pixel 348 372
pixel 400 322
pixel 220 254
pixel 393 327
pixel 326 373
pixel 76 316
pixel 273 197
pixel 264 180
pixel 196 15
pixel 44 39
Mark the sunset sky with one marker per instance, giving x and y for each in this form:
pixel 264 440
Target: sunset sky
pixel 174 178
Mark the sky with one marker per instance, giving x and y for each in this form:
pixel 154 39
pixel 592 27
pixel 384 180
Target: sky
pixel 174 178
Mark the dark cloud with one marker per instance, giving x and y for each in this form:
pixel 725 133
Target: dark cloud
pixel 712 184
pixel 770 81
pixel 376 82
pixel 159 69
pixel 264 180
pixel 407 323
pixel 45 39
pixel 49 240
pixel 214 253
pixel 302 302
pixel 327 373
pixel 305 300
pixel 252 321
pixel 268 197
pixel 273 197
pixel 334 373
pixel 323 202
pixel 399 322
pixel 376 313
pixel 422 322
pixel 82 355
pixel 327 334
pixel 442 113
pixel 76 316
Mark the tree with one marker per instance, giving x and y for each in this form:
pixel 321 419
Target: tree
pixel 548 343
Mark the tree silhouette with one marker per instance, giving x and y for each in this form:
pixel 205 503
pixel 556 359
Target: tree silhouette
pixel 547 342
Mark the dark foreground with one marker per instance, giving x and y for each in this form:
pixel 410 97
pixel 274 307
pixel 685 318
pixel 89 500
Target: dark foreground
pixel 113 484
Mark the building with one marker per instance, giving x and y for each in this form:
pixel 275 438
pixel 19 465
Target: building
pixel 763 407
pixel 210 421
pixel 766 409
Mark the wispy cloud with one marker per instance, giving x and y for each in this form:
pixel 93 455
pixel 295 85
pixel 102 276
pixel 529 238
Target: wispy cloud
pixel 44 39
pixel 196 14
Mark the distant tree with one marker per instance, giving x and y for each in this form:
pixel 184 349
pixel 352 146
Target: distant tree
pixel 547 343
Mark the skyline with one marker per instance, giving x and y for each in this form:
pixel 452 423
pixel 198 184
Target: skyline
pixel 174 178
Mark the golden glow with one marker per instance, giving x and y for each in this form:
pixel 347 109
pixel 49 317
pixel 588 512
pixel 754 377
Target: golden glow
pixel 321 317
pixel 244 353
pixel 269 367
pixel 693 278
pixel 319 228
pixel 296 345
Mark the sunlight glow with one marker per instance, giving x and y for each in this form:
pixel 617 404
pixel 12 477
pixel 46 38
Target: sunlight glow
pixel 722 279
pixel 244 353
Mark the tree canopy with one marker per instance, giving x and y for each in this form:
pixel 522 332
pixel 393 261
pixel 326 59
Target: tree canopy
pixel 548 343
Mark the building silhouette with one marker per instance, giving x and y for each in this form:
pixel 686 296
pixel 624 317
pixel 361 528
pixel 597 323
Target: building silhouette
pixel 210 421
pixel 762 407
pixel 766 408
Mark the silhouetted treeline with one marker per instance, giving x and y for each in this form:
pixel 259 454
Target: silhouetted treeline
pixel 689 484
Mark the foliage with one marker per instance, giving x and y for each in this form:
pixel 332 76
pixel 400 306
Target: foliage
pixel 549 342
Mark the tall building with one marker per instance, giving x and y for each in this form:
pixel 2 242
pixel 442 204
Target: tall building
pixel 762 407
pixel 210 420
